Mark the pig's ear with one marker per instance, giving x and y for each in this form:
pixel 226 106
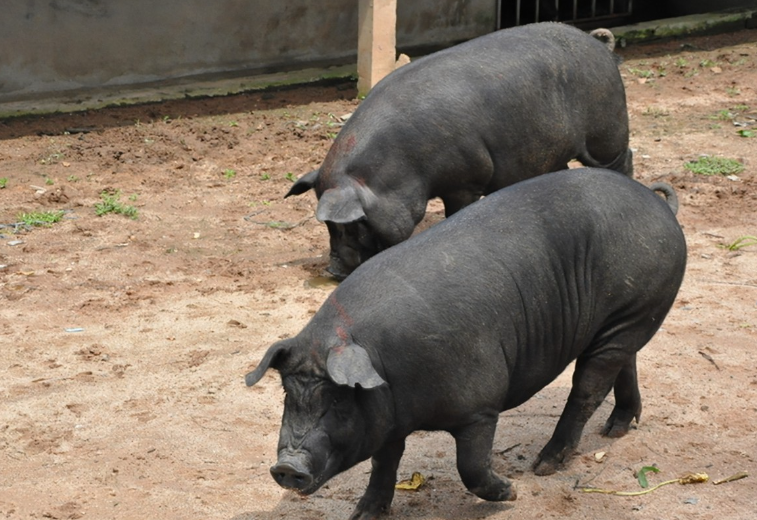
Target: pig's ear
pixel 340 205
pixel 350 365
pixel 303 184
pixel 272 359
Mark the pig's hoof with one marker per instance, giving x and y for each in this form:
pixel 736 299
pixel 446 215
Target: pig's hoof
pixel 618 424
pixel 545 467
pixel 370 510
pixel 497 492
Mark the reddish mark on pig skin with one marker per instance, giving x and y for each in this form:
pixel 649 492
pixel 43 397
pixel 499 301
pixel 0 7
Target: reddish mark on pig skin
pixel 341 312
pixel 342 334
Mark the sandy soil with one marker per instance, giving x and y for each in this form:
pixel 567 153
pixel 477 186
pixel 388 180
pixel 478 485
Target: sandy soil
pixel 125 341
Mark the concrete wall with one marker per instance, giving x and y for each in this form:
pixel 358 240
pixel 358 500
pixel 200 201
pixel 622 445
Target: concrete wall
pixel 52 46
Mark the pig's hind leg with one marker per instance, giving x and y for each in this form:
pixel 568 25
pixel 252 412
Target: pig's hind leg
pixel 627 402
pixel 474 446
pixel 380 492
pixel 593 378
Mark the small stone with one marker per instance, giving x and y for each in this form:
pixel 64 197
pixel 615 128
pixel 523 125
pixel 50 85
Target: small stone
pixel 599 456
pixel 691 501
pixel 15 242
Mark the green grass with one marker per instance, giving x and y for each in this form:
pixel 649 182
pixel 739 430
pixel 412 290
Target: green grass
pixel 111 204
pixel 641 73
pixel 291 177
pixel 229 173
pixel 708 165
pixel 3 182
pixel 40 218
pixel 745 241
pixel 655 112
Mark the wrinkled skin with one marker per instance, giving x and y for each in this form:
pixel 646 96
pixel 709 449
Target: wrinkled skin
pixel 472 317
pixel 463 123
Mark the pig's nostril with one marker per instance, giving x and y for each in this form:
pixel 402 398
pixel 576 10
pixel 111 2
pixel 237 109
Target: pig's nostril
pixel 288 476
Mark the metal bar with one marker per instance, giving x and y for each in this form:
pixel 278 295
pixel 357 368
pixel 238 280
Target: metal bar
pixel 593 8
pixel 612 6
pixel 517 13
pixel 575 10
pixel 536 15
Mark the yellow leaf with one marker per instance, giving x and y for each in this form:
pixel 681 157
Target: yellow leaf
pixel 415 482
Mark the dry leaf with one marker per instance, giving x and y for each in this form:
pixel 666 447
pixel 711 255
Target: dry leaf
pixel 415 482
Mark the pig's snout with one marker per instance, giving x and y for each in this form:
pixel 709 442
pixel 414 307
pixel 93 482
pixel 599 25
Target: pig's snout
pixel 291 473
pixel 338 269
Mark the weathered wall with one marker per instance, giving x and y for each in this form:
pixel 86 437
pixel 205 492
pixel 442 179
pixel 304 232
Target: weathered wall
pixel 50 46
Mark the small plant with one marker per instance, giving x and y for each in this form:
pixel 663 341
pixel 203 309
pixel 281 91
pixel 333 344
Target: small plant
pixel 233 123
pixel 40 218
pixel 3 182
pixel 290 177
pixel 732 91
pixel 641 73
pixel 111 204
pixel 72 178
pixel 741 108
pixel 745 133
pixel 681 63
pixel 49 181
pixel 655 112
pixel 745 241
pixel 133 197
pixel 723 115
pixel 706 64
pixel 709 165
pixel 331 135
pixel 265 176
pixel 229 173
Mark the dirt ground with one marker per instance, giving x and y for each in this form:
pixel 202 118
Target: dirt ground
pixel 124 342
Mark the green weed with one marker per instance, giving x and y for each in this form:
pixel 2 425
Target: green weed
pixel 40 218
pixel 3 182
pixel 709 165
pixel 229 173
pixel 745 241
pixel 111 204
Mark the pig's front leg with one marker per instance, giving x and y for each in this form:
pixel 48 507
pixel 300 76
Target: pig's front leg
pixel 380 492
pixel 474 448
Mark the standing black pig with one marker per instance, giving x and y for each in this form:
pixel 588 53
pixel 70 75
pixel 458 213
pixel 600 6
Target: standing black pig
pixel 473 317
pixel 465 122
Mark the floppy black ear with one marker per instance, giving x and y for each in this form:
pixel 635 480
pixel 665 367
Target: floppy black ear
pixel 350 365
pixel 272 359
pixel 340 205
pixel 303 184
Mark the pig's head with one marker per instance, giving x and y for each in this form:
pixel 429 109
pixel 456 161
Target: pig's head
pixel 329 422
pixel 344 208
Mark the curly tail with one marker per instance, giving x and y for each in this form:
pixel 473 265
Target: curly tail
pixel 605 36
pixel 668 192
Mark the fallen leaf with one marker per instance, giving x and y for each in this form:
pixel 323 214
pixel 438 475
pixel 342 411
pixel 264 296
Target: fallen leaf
pixel 413 484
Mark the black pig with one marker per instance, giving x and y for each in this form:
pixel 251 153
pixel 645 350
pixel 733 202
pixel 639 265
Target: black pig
pixel 472 317
pixel 462 123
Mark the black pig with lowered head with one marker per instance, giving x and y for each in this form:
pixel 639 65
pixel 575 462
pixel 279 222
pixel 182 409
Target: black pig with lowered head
pixel 472 317
pixel 462 123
